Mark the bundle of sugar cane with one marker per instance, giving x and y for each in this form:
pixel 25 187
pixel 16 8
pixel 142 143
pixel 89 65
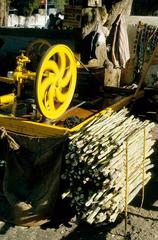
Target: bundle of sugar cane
pixel 107 164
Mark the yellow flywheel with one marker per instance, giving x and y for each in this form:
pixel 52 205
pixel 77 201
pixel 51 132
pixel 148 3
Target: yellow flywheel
pixel 55 81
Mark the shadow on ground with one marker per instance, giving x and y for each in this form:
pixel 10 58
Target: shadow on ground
pixel 85 231
pixel 78 229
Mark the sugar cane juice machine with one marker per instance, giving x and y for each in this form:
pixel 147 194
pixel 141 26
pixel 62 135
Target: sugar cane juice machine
pixel 53 83
pixel 47 91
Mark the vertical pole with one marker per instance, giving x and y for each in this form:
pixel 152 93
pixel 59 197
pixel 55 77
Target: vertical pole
pixel 126 190
pixel 143 167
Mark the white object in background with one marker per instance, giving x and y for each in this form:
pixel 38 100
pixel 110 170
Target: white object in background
pixel 30 22
pixel 13 20
pixel 40 21
pixel 21 22
pixel 52 10
pixel 33 21
pixel 41 11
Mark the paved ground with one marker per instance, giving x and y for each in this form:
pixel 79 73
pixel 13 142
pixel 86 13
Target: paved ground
pixel 142 224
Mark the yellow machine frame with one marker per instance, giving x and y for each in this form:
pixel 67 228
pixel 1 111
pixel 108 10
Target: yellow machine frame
pixel 50 80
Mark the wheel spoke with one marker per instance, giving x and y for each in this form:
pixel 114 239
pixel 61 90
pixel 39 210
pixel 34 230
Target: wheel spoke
pixel 61 97
pixel 61 63
pixel 45 85
pixel 52 66
pixel 51 94
pixel 55 81
pixel 67 77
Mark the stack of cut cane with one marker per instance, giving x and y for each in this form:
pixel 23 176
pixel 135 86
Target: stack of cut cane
pixel 107 164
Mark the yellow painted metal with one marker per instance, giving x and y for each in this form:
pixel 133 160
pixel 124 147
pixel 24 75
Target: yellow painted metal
pixel 21 73
pixel 6 99
pixel 55 81
pixel 7 80
pixel 25 127
pixel 22 60
pixel 19 125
